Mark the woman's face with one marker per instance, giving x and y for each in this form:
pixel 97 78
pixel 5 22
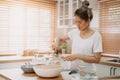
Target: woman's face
pixel 81 24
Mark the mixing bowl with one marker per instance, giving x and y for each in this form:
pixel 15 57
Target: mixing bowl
pixel 50 70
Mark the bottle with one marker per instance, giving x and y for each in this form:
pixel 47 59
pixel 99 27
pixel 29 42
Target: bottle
pixel 63 48
pixel 56 53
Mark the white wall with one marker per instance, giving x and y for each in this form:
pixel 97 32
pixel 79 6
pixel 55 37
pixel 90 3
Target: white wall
pixel 95 9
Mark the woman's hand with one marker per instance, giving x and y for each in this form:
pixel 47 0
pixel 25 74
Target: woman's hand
pixel 54 46
pixel 71 57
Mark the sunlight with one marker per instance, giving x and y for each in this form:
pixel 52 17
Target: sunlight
pixel 17 18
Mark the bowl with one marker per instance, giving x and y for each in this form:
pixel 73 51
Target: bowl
pixel 67 76
pixel 49 71
pixel 27 68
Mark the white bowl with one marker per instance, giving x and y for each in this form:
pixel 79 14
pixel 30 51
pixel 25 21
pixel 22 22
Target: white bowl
pixel 51 70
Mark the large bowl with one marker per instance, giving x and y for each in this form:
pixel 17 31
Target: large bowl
pixel 51 70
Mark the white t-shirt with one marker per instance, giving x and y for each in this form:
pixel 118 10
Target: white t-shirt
pixel 85 47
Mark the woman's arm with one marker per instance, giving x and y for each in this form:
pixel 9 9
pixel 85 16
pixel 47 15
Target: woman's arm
pixel 89 59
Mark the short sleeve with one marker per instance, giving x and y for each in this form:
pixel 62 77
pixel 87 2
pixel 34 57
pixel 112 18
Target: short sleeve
pixel 72 33
pixel 98 44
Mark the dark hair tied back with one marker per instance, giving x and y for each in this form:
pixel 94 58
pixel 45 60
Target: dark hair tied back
pixel 85 3
pixel 84 12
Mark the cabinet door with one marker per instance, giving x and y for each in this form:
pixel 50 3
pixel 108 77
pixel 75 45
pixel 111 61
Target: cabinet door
pixel 63 13
pixel 75 5
pixel 117 72
pixel 102 70
pixel 66 9
pixel 66 12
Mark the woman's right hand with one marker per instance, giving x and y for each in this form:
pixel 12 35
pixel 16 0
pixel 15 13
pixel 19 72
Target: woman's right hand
pixel 57 42
pixel 54 45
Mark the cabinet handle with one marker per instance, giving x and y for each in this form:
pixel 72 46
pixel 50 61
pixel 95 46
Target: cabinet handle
pixel 114 71
pixel 111 71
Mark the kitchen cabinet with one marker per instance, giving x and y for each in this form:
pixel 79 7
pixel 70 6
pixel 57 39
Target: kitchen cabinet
pixel 114 71
pixel 102 70
pixel 66 10
pixel 105 70
pixel 117 71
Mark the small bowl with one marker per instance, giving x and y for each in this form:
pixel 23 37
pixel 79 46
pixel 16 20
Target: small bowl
pixel 27 68
pixel 66 76
pixel 48 71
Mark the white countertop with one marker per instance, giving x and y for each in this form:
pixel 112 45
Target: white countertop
pixel 8 59
pixel 18 74
pixel 111 55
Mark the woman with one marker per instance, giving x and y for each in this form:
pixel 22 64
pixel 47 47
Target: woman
pixel 86 43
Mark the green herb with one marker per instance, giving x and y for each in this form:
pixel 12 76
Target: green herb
pixel 64 46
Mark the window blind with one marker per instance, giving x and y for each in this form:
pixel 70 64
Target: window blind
pixel 110 25
pixel 4 23
pixel 27 24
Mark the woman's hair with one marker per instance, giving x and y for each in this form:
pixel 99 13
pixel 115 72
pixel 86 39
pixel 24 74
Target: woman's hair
pixel 84 12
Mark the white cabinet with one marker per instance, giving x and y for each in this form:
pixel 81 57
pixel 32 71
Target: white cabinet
pixel 102 70
pixel 105 70
pixel 117 71
pixel 66 10
pixel 63 12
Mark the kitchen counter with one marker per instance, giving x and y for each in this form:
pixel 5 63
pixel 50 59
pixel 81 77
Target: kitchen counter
pixel 9 59
pixel 18 74
pixel 110 55
pixel 7 54
pixel 103 61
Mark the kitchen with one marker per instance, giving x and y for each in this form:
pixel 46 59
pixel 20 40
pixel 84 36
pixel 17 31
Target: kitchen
pixel 29 27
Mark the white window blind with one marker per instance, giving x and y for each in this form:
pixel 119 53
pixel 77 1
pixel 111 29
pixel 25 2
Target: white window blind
pixel 27 24
pixel 4 26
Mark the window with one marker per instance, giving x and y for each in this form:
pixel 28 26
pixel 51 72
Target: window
pixel 27 24
pixel 110 25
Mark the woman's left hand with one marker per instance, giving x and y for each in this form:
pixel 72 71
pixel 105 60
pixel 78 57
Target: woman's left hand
pixel 71 57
